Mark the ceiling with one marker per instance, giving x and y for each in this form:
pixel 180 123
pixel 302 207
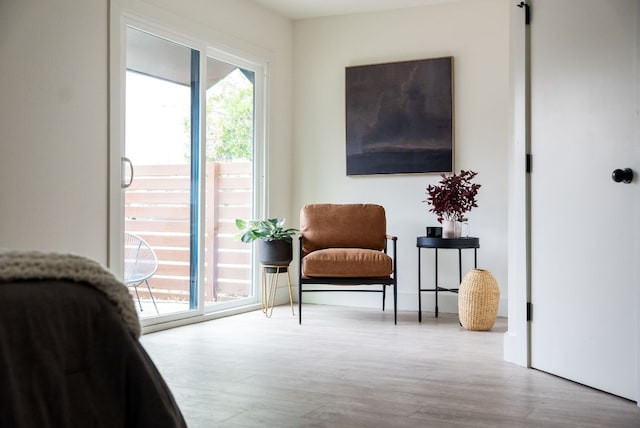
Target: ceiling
pixel 304 9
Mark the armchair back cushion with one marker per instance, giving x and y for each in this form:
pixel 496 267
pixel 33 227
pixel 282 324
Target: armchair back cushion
pixel 343 226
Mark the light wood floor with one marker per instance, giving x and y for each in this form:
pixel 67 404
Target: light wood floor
pixel 352 367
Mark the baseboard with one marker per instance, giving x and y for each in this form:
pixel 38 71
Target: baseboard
pixel 447 302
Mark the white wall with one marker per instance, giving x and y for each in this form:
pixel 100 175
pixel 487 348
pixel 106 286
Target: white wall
pixel 476 34
pixel 54 110
pixel 53 126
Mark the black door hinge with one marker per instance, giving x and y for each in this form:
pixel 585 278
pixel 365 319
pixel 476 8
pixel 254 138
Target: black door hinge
pixel 527 12
pixel 529 311
pixel 528 163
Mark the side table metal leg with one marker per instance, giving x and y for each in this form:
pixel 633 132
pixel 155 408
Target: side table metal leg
pixel 436 287
pixel 419 288
pixel 459 275
pixel 459 266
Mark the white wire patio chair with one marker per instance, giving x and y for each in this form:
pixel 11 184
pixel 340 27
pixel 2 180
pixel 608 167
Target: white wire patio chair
pixel 140 264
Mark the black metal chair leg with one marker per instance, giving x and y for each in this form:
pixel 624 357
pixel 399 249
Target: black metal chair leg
pixel 384 294
pixel 395 303
pixel 299 303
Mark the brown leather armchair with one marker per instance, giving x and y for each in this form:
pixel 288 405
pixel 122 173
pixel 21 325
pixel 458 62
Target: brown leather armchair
pixel 345 244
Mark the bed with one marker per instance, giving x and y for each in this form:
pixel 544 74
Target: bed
pixel 69 349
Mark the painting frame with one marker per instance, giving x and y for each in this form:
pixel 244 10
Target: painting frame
pixel 400 117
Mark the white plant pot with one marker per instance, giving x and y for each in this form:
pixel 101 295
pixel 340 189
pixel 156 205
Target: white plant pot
pixel 451 229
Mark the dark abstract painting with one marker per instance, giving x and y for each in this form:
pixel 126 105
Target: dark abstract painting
pixel 400 117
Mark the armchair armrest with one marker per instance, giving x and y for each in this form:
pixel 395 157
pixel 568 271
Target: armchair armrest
pixel 394 240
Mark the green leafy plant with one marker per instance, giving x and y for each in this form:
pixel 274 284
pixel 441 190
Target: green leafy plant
pixel 453 196
pixel 267 230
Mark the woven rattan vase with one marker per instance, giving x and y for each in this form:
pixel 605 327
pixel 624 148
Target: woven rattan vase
pixel 478 299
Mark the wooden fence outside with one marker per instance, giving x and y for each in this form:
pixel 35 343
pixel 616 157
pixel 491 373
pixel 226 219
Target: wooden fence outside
pixel 157 208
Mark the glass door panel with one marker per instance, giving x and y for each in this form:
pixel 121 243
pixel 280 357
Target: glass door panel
pixel 230 112
pixel 161 139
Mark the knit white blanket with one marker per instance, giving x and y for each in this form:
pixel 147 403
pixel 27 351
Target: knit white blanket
pixel 29 265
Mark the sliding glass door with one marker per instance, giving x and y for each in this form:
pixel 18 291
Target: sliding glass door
pixel 187 168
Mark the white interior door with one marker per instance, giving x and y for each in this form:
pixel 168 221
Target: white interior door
pixel 584 225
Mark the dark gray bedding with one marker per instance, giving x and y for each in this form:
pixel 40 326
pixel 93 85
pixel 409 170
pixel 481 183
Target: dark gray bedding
pixel 67 359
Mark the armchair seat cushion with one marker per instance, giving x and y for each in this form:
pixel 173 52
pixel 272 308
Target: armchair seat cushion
pixel 347 263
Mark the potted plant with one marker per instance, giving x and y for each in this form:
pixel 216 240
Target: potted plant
pixel 275 243
pixel 454 196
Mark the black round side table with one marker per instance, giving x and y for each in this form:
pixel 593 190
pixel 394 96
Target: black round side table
pixel 437 244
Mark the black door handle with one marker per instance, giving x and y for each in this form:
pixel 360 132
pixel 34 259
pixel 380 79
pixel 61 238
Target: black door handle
pixel 622 175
